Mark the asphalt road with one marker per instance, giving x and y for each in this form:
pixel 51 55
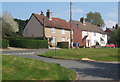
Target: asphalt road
pixel 87 70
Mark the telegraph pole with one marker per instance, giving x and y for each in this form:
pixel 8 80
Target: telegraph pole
pixel 71 38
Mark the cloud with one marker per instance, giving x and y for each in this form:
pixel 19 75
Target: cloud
pixel 77 11
pixel 110 23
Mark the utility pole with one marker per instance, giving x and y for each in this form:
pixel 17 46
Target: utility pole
pixel 71 38
pixel 43 27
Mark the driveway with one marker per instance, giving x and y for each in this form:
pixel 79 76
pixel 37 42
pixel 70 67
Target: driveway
pixel 87 70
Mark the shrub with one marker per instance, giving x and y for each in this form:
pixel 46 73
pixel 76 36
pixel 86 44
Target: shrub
pixel 28 43
pixel 4 43
pixel 63 44
pixel 32 38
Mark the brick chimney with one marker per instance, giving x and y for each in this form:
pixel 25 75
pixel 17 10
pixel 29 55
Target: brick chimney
pixel 82 20
pixel 49 14
pixel 42 13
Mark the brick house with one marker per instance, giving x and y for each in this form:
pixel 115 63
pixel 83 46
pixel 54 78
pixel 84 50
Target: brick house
pixel 87 34
pixel 48 26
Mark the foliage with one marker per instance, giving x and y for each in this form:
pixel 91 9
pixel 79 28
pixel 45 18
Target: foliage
pixel 95 18
pixel 19 68
pixel 28 43
pixel 99 54
pixel 63 44
pixel 4 42
pixel 9 25
pixel 114 37
pixel 22 24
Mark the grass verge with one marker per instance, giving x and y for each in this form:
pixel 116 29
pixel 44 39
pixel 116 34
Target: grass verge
pixel 98 54
pixel 18 68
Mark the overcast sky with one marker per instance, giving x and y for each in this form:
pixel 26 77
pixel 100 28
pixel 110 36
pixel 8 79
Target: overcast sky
pixel 23 10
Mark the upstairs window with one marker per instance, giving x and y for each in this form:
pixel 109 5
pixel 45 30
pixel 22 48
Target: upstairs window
pixel 53 30
pixel 94 34
pixel 63 31
pixel 103 35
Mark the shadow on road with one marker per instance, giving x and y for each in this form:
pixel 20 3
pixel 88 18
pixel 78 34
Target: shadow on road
pixel 102 70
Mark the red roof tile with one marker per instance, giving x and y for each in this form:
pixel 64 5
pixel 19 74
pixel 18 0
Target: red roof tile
pixel 55 22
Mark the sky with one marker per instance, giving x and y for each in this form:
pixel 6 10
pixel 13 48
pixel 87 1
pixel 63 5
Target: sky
pixel 23 10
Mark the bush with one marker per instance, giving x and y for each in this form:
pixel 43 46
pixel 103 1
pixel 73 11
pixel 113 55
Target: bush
pixel 4 43
pixel 28 43
pixel 63 44
pixel 32 38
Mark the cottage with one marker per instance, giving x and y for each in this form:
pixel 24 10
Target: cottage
pixel 87 34
pixel 48 26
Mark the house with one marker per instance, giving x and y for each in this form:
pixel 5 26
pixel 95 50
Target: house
pixel 87 34
pixel 109 30
pixel 48 26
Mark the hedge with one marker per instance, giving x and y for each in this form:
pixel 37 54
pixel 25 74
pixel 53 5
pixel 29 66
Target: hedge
pixel 4 43
pixel 63 44
pixel 32 38
pixel 28 43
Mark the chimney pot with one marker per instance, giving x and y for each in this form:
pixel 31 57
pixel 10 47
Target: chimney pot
pixel 42 13
pixel 49 14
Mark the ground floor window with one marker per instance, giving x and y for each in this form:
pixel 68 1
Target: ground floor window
pixel 62 39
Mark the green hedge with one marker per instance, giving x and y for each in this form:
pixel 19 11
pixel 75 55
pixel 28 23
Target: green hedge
pixel 63 44
pixel 32 38
pixel 4 43
pixel 28 43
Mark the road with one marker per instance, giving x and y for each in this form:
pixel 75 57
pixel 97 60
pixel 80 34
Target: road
pixel 86 70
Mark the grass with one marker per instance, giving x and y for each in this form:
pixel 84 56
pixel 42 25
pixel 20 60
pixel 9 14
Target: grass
pixel 18 68
pixel 99 54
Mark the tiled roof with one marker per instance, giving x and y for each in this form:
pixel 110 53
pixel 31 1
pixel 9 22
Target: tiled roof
pixel 87 27
pixel 55 22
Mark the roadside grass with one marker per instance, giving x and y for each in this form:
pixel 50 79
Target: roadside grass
pixel 98 54
pixel 19 68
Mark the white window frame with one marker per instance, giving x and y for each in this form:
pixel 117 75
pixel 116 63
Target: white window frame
pixel 63 31
pixel 94 33
pixel 53 30
pixel 62 39
pixel 53 40
pixel 103 35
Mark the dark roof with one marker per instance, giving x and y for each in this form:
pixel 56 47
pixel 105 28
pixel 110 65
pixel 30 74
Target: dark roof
pixel 55 22
pixel 87 27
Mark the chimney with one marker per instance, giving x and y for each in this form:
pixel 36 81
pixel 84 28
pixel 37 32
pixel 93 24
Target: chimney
pixel 82 20
pixel 49 14
pixel 42 13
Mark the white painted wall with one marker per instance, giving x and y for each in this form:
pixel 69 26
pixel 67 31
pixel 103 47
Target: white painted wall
pixel 92 38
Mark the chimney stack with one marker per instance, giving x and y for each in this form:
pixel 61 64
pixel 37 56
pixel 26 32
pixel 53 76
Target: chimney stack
pixel 42 13
pixel 82 20
pixel 49 14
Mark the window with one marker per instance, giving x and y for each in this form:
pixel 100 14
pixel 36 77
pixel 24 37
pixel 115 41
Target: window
pixel 53 40
pixel 53 30
pixel 103 35
pixel 62 39
pixel 103 42
pixel 94 34
pixel 95 41
pixel 63 31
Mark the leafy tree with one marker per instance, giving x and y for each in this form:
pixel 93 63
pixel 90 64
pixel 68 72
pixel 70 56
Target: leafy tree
pixel 114 37
pixel 9 26
pixel 95 18
pixel 22 24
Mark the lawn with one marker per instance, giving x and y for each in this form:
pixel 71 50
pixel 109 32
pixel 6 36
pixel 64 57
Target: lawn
pixel 19 68
pixel 99 54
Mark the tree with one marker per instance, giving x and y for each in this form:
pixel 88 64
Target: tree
pixel 95 18
pixel 9 26
pixel 114 37
pixel 22 24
